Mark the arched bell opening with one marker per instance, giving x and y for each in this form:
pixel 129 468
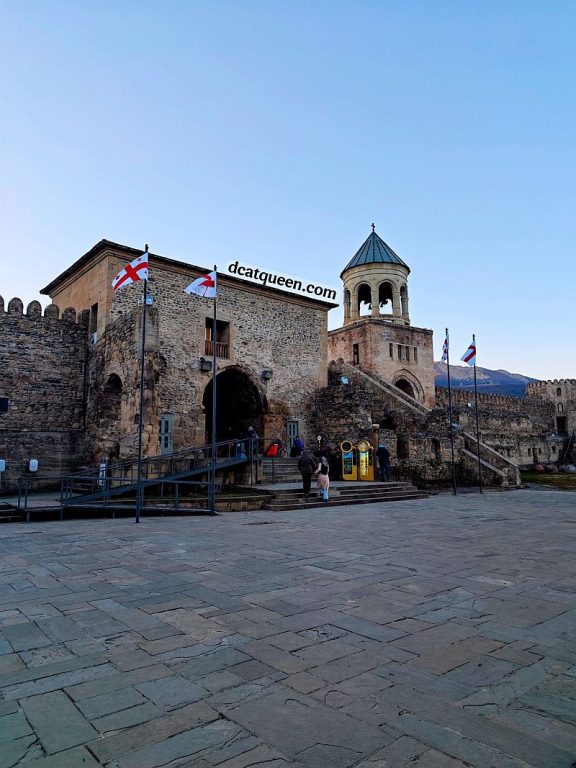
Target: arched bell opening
pixel 239 404
pixel 385 299
pixel 364 300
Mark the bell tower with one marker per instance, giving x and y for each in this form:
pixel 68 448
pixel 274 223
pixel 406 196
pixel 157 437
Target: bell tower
pixel 376 335
pixel 376 283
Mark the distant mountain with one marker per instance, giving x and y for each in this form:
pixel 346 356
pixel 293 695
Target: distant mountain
pixel 495 382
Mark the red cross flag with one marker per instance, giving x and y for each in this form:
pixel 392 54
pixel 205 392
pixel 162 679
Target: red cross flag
pixel 203 286
pixel 469 356
pixel 445 347
pixel 136 270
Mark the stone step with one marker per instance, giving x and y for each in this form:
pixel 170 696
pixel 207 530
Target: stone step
pixel 351 489
pixel 9 513
pixel 315 502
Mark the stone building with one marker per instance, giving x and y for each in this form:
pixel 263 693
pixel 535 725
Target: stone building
pixel 377 335
pixel 72 372
pixel 562 393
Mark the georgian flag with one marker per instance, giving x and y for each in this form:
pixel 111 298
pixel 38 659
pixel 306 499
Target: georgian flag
pixel 469 356
pixel 444 357
pixel 136 270
pixel 203 286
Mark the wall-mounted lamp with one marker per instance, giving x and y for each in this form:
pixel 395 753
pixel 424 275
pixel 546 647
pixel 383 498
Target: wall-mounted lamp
pixel 205 365
pixel 267 374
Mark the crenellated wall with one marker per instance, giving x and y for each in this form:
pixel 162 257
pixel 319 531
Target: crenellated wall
pixel 42 364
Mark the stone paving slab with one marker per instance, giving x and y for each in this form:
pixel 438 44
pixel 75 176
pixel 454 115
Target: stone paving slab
pixel 437 633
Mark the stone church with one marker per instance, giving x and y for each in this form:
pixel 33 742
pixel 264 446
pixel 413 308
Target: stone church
pixel 71 373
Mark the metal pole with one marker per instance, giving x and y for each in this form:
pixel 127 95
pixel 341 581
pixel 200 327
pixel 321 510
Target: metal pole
pixel 477 421
pixel 450 413
pixel 139 491
pixel 213 472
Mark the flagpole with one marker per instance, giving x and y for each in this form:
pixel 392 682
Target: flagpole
pixel 477 421
pixel 213 472
pixel 139 491
pixel 450 413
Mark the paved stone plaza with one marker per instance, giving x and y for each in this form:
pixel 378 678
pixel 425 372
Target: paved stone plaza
pixel 436 634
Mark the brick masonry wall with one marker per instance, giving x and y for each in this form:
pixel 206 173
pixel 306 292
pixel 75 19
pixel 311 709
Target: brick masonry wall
pixel 42 360
pixel 413 362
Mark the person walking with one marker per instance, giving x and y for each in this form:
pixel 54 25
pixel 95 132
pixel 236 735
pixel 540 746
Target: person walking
pixel 251 442
pixel 323 479
pixel 384 463
pixel 307 466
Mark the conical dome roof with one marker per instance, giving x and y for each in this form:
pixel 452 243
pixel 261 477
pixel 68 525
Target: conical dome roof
pixel 374 251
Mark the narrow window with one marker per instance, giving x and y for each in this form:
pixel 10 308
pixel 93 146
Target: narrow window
pixel 399 351
pixel 355 354
pixel 391 349
pixel 415 354
pixel 407 350
pixel 560 407
pixel 558 391
pixel 222 339
pixel 93 322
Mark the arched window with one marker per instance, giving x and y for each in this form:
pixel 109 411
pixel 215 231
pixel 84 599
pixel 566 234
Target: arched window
pixel 385 299
pixel 436 452
pixel 559 391
pixel 560 408
pixel 364 300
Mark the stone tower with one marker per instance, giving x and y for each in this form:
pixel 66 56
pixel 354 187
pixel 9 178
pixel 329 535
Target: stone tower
pixel 376 278
pixel 376 336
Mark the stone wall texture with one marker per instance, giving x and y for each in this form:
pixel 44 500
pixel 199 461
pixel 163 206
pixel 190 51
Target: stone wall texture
pixel 267 330
pixel 42 359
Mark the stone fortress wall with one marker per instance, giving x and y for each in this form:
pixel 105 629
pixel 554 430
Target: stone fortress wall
pixel 42 372
pixel 73 377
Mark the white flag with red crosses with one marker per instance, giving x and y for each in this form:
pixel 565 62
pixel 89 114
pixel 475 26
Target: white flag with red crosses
pixel 203 286
pixel 136 270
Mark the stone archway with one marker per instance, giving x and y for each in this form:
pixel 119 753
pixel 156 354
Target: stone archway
pixel 239 405
pixel 405 386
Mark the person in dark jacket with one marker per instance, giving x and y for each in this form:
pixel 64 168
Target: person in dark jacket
pixel 384 462
pixel 251 442
pixel 307 467
pixel 297 447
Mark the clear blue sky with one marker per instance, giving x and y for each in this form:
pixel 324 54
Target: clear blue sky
pixel 276 131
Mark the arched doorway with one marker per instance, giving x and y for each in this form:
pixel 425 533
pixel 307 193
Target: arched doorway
pixel 239 405
pixel 406 387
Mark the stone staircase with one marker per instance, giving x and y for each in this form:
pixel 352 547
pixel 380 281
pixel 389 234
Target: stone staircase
pixel 281 470
pixel 343 493
pixel 9 512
